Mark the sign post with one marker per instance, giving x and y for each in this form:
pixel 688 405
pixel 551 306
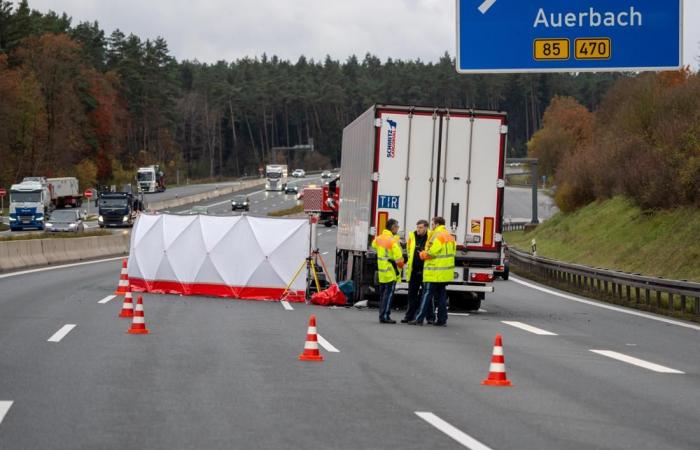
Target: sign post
pixel 510 36
pixel 3 193
pixel 88 195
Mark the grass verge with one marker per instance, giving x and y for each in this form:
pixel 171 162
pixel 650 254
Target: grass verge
pixel 24 237
pixel 616 234
pixel 287 212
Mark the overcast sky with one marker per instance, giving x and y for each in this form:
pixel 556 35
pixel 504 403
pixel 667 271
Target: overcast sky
pixel 211 30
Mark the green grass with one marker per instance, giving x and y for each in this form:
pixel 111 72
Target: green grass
pixel 287 212
pixel 23 237
pixel 615 234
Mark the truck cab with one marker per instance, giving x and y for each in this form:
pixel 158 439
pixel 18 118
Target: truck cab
pixel 276 175
pixel 117 209
pixel 29 205
pixel 150 179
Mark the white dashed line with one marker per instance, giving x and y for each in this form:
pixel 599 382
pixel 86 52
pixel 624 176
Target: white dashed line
pixel 604 306
pixel 531 329
pixel 60 334
pixel 327 345
pixel 636 362
pixel 456 434
pixel 4 407
pixel 324 253
pixel 107 299
pixel 286 305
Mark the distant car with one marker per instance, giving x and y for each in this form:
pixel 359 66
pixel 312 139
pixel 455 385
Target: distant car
pixel 290 189
pixel 70 220
pixel 326 174
pixel 298 173
pixel 240 202
pixel 199 209
pixel 503 271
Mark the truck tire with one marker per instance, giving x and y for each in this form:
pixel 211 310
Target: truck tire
pixel 506 273
pixel 328 223
pixel 465 301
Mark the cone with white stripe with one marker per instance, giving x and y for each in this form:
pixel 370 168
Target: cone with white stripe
pixel 128 305
pixel 138 322
pixel 123 280
pixel 497 371
pixel 311 352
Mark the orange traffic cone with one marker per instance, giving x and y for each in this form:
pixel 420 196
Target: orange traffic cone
pixel 128 305
pixel 497 370
pixel 138 322
pixel 311 352
pixel 123 280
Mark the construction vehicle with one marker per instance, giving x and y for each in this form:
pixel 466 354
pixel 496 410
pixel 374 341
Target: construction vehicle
pixel 323 201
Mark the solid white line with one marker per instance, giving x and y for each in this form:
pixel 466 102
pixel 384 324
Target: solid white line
pixel 484 8
pixel 106 299
pixel 4 407
pixel 458 314
pixel 43 269
pixel 456 434
pixel 636 361
pixel 604 306
pixel 327 345
pixel 286 305
pixel 531 329
pixel 60 334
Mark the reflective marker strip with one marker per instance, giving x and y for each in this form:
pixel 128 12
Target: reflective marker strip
pixel 531 329
pixel 637 362
pixel 4 407
pixel 456 434
pixel 311 345
pixel 107 299
pixel 327 345
pixel 497 351
pixel 497 367
pixel 60 334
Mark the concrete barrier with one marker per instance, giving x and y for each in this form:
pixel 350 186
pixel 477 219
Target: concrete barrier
pixel 195 198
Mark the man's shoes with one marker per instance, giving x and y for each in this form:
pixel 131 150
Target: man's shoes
pixel 386 321
pixel 431 322
pixel 413 322
pixel 438 324
pixel 405 320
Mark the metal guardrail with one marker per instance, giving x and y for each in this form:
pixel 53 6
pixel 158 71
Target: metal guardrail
pixel 670 297
pixel 514 226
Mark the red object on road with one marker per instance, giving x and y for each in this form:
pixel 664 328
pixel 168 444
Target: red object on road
pixel 128 305
pixel 138 322
pixel 311 352
pixel 88 193
pixel 331 296
pixel 123 280
pixel 497 370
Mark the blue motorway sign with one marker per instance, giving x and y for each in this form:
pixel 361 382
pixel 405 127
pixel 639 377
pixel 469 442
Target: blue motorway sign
pixel 568 35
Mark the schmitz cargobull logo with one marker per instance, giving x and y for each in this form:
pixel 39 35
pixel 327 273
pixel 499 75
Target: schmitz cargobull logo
pixel 391 139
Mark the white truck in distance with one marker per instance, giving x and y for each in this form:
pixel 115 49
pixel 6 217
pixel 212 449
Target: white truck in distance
pixel 30 203
pixel 150 179
pixel 276 175
pixel 412 163
pixel 65 192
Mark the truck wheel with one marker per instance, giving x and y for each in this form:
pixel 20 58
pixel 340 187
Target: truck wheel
pixel 465 301
pixel 506 272
pixel 328 223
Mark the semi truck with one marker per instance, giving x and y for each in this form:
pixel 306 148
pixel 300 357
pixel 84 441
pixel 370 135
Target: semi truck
pixel 65 192
pixel 118 209
pixel 276 175
pixel 411 163
pixel 150 179
pixel 30 204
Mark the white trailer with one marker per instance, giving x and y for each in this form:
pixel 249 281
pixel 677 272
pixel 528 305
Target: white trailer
pixel 65 192
pixel 411 163
pixel 276 175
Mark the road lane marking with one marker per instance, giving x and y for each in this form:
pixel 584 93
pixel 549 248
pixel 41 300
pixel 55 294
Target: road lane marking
pixel 324 253
pixel 106 299
pixel 604 306
pixel 60 334
pixel 44 269
pixel 4 407
pixel 456 434
pixel 286 305
pixel 636 362
pixel 327 345
pixel 531 329
pixel 484 8
pixel 458 314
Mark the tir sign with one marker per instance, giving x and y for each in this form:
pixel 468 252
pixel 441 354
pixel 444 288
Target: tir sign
pixel 501 36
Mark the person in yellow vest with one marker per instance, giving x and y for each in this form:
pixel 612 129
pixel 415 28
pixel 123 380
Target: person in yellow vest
pixel 389 265
pixel 414 269
pixel 438 272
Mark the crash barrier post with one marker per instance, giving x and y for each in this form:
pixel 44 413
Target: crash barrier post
pixel 679 298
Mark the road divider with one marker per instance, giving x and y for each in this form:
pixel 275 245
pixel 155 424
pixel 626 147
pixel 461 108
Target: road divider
pixel 60 334
pixel 637 362
pixel 196 198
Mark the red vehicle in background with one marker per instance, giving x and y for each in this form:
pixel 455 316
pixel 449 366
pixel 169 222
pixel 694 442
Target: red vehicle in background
pixel 324 201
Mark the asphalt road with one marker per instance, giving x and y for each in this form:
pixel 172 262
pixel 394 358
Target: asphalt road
pixel 518 204
pixel 218 373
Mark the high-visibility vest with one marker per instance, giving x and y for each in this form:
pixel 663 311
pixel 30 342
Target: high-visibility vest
pixel 440 265
pixel 388 250
pixel 411 248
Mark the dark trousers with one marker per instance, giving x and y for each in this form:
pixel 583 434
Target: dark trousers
pixel 433 291
pixel 415 291
pixel 386 293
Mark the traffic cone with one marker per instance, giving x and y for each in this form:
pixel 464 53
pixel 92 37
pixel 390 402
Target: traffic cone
pixel 311 352
pixel 497 370
pixel 123 280
pixel 138 322
pixel 128 305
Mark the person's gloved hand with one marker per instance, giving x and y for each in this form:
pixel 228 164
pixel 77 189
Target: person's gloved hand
pixel 423 255
pixel 400 264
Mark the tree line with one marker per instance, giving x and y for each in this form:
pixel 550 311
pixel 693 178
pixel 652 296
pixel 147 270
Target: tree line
pixel 76 101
